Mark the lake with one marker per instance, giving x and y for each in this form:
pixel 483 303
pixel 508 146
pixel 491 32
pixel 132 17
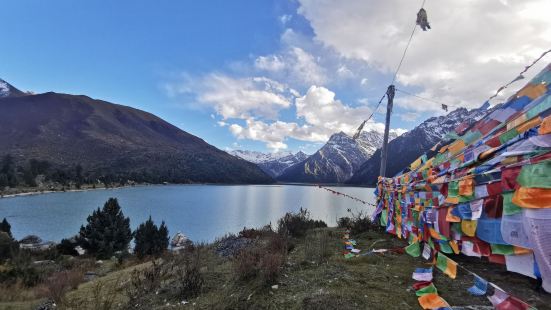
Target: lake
pixel 202 212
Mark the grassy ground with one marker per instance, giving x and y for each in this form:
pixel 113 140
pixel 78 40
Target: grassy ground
pixel 314 276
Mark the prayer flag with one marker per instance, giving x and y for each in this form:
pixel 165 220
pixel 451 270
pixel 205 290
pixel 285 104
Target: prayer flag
pixel 503 249
pixel 448 266
pixel 429 289
pixel 513 303
pixel 479 287
pixel 420 284
pixel 469 227
pixel 432 301
pixel 454 246
pixel 498 296
pixel 422 274
pixel 536 175
pixel 427 251
pixel 532 198
pixel 348 255
pixel 414 249
pixel 467 248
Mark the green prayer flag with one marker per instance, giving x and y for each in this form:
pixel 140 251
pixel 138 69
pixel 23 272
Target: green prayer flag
pixel 384 218
pixel 426 290
pixel 503 138
pixel 349 255
pixel 471 136
pixel 445 247
pixel 453 189
pixel 509 208
pixel 503 249
pixel 414 249
pixel 456 227
pixel 544 105
pixel 431 244
pixel 536 175
pixel 441 261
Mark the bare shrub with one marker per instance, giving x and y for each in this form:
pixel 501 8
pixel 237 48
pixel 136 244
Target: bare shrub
pixel 58 284
pixel 189 278
pixel 359 223
pixel 246 263
pixel 144 281
pixel 318 247
pixel 263 261
pixel 270 267
pixel 297 224
pixel 250 233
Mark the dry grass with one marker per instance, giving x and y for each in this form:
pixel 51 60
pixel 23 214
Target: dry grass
pixel 379 281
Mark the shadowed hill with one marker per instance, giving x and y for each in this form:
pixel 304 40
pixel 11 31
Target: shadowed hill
pixel 111 139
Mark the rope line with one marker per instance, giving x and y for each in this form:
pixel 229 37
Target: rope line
pixel 393 78
pixel 347 196
pixel 406 49
pixel 520 76
pixel 426 99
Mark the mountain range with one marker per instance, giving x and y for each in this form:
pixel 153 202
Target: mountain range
pixel 111 139
pixel 337 160
pixel 274 164
pixel 409 146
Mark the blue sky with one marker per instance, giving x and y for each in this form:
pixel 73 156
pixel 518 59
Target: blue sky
pixel 261 75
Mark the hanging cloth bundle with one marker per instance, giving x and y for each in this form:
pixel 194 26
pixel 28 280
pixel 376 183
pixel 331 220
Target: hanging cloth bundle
pixel 359 130
pixel 422 19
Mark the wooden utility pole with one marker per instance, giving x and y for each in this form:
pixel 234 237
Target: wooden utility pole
pixel 384 154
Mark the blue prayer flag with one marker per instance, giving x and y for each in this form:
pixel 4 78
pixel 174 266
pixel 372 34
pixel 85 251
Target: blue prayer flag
pixel 479 288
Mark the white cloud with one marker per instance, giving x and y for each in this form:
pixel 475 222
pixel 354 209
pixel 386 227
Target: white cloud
pixel 269 63
pixel 284 19
pixel 409 116
pixel 319 108
pixel 473 47
pixel 323 115
pixel 294 65
pixel 236 97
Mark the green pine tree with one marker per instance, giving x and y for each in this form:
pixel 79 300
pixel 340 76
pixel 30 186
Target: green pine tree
pixel 6 227
pixel 150 239
pixel 108 231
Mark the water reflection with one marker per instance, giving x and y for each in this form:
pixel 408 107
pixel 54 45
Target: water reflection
pixel 203 212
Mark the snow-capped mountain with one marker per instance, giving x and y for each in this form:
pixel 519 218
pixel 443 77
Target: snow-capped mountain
pixel 336 160
pixel 409 146
pixel 273 164
pixel 7 90
pixel 4 89
pixel 258 157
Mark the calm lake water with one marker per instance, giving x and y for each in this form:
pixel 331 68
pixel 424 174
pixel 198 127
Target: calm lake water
pixel 202 212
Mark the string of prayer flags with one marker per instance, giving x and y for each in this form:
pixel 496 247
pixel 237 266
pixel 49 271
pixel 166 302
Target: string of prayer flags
pixel 349 246
pixel 347 196
pixel 483 191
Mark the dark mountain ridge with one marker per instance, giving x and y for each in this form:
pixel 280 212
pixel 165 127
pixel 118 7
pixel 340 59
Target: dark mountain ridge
pixel 111 139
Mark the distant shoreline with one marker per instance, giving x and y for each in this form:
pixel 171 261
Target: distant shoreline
pixel 40 192
pixel 24 193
